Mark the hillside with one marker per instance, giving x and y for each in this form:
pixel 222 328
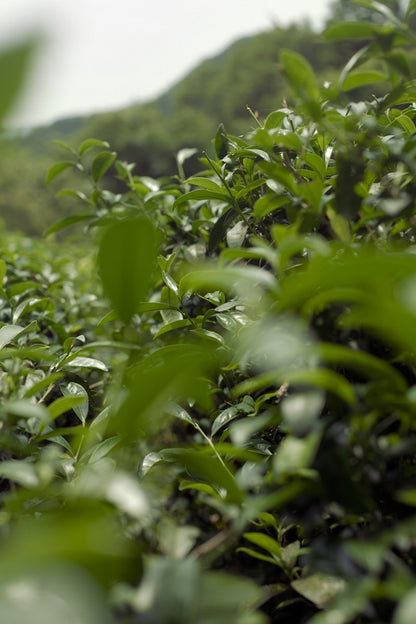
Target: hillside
pixel 218 90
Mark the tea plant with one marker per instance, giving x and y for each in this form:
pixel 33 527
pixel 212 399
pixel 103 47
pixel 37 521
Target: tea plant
pixel 212 417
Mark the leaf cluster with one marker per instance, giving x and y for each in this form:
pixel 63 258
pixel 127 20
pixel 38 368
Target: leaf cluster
pixel 236 367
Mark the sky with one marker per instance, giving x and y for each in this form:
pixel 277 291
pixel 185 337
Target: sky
pixel 101 55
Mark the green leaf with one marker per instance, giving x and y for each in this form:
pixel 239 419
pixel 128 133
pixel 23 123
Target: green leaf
pixel 220 142
pixel 205 183
pixel 275 119
pixel 408 125
pixel 242 430
pixel 14 65
pixel 64 404
pixel 184 154
pixel 72 193
pixel 64 146
pixel 257 555
pixel 316 163
pixel 86 362
pixel 126 262
pixel 9 333
pixel 301 410
pixel 405 611
pixel 179 324
pixel 150 306
pixel 20 472
pixel 360 78
pixel 228 415
pixel 311 192
pixel 268 203
pixel 103 449
pixel 179 412
pixel 289 141
pixel 90 143
pixel 325 379
pixel 301 78
pixel 76 390
pixel 57 168
pixel 101 163
pixel 280 174
pixel 339 224
pixel 3 271
pixel 68 221
pixel 319 588
pixel 220 228
pixel 349 30
pixel 374 367
pixel 231 279
pixel 265 542
pixel 411 8
pixel 26 409
pixel 370 554
pixel 202 195
pixel 294 454
pixel 208 468
pixel 400 62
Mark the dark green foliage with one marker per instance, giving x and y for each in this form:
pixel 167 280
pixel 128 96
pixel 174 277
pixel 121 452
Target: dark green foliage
pixel 225 431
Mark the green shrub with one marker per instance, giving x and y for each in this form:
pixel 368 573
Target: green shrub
pixel 212 417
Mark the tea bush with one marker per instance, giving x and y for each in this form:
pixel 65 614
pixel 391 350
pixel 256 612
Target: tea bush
pixel 210 417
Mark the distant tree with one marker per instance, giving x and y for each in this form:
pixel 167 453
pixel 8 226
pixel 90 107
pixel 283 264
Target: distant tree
pixel 349 11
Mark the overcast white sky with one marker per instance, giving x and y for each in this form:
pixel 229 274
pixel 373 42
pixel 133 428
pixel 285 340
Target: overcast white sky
pixel 104 54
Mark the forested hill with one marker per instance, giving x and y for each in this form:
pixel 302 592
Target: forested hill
pixel 218 90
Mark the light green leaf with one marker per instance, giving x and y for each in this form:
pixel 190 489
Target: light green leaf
pixel 21 472
pixel 301 78
pixel 63 404
pixel 294 454
pixel 103 448
pixel 185 153
pixel 57 168
pixel 265 542
pixel 339 224
pixel 75 390
pixel 406 609
pixel 349 30
pixel 319 588
pixel 9 333
pixel 205 183
pixel 360 78
pixel 301 410
pixel 68 221
pixel 202 195
pixel 26 409
pixel 86 362
pixel 90 143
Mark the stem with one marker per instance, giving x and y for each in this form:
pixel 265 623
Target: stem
pixel 233 200
pixel 212 445
pixel 253 114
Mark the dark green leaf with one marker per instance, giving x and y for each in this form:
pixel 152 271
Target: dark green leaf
pixel 220 228
pixel 221 143
pixel 126 262
pixel 14 65
pixel 101 163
